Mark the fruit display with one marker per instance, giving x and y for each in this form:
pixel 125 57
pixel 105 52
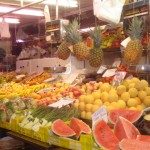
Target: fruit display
pixel 112 38
pixel 73 36
pixel 133 51
pixel 96 53
pixel 132 94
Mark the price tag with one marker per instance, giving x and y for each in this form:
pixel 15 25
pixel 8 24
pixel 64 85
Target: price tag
pixel 20 76
pixel 120 75
pixel 101 69
pixel 116 63
pixel 100 114
pixel 46 90
pixel 71 78
pixel 125 42
pixel 62 102
pixel 109 73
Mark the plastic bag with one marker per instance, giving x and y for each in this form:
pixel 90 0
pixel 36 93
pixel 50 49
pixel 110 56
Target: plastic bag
pixel 108 10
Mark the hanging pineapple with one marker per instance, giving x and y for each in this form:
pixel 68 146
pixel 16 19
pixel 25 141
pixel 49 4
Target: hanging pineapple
pixel 96 54
pixel 80 50
pixel 133 51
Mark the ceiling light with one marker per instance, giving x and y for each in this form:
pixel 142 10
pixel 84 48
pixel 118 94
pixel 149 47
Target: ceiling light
pixel 31 12
pixel 10 20
pixel 66 3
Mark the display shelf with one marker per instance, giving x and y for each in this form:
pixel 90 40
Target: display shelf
pixel 31 141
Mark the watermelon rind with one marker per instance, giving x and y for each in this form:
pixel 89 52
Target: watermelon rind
pixel 61 129
pixel 131 115
pixel 133 144
pixel 104 136
pixel 144 138
pixel 125 129
pixel 78 126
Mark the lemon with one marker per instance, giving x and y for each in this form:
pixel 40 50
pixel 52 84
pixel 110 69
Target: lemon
pixel 142 95
pixel 106 103
pixel 138 100
pixel 96 95
pixel 98 102
pixel 131 85
pixel 75 105
pixel 147 90
pixel 88 115
pixel 121 89
pixel 134 80
pixel 132 102
pixel 125 96
pixel 144 84
pixel 122 104
pixel 95 108
pixel 82 98
pixel 109 107
pixel 140 107
pixel 81 106
pixel 133 92
pixel 104 96
pixel 115 105
pixel 132 108
pixel 113 97
pixel 88 107
pixel 83 114
pixel 105 87
pixel 147 101
pixel 89 99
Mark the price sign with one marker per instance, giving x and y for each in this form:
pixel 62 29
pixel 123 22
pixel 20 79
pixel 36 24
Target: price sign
pixel 125 42
pixel 120 75
pixel 62 102
pixel 109 73
pixel 46 90
pixel 100 114
pixel 101 69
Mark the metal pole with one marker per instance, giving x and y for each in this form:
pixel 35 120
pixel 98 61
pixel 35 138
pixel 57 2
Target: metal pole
pixel 21 3
pixel 56 9
pixel 21 7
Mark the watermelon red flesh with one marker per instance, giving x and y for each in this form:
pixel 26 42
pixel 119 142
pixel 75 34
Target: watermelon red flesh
pixel 132 144
pixel 104 136
pixel 144 138
pixel 131 115
pixel 125 129
pixel 79 127
pixel 61 129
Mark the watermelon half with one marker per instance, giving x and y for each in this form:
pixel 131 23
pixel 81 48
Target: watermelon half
pixel 78 126
pixel 104 136
pixel 125 129
pixel 60 128
pixel 144 138
pixel 132 144
pixel 131 115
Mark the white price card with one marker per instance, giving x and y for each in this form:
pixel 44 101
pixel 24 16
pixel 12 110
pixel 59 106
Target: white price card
pixel 125 42
pixel 120 75
pixel 101 69
pixel 46 90
pixel 20 76
pixel 62 102
pixel 71 78
pixel 109 73
pixel 100 114
pixel 116 63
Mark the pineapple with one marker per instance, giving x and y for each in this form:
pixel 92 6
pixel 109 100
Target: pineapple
pixel 133 51
pixel 63 50
pixel 80 50
pixel 96 54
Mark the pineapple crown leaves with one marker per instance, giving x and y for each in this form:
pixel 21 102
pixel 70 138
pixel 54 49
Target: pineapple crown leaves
pixel 95 34
pixel 72 35
pixel 136 28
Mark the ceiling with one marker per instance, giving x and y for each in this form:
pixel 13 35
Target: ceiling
pixel 63 12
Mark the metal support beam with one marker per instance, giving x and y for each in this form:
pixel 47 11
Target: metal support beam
pixel 19 8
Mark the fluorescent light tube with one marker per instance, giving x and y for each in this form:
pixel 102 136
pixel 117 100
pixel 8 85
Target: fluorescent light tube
pixel 10 20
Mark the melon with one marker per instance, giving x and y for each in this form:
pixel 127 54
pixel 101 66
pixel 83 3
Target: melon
pixel 78 126
pixel 144 138
pixel 125 129
pixel 104 136
pixel 133 144
pixel 60 128
pixel 131 115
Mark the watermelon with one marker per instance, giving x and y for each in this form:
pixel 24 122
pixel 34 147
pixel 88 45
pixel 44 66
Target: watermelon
pixel 144 138
pixel 133 144
pixel 104 136
pixel 131 115
pixel 60 128
pixel 79 127
pixel 125 129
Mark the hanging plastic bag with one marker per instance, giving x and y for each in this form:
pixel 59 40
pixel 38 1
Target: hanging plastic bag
pixel 108 10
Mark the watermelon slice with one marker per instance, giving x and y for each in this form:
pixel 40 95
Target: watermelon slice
pixel 132 144
pixel 131 115
pixel 144 138
pixel 104 136
pixel 125 129
pixel 61 129
pixel 78 126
